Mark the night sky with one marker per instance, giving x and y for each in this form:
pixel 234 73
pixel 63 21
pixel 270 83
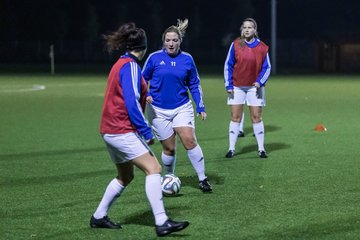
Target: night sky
pixel 44 19
pixel 211 24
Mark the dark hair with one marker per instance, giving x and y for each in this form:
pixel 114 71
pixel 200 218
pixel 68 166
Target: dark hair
pixel 127 36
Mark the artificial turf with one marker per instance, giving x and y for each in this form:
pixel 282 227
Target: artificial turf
pixel 54 166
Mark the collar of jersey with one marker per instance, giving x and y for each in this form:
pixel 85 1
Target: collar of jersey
pixel 253 44
pixel 129 55
pixel 164 51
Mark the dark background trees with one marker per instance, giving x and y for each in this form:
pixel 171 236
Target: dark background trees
pixel 28 28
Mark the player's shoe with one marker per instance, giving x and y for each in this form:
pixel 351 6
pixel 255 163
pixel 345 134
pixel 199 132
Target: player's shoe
pixel 104 222
pixel 170 226
pixel 230 154
pixel 262 154
pixel 241 134
pixel 205 186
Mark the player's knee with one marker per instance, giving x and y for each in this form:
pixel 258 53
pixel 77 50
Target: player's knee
pixel 190 143
pixel 126 180
pixel 256 119
pixel 157 169
pixel 236 119
pixel 169 151
pixel 154 169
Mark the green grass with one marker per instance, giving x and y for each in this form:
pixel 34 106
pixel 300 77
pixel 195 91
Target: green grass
pixel 54 166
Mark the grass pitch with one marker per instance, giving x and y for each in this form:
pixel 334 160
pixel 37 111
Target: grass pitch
pixel 54 166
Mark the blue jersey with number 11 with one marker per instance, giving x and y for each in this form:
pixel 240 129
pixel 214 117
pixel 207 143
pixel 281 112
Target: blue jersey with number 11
pixel 171 78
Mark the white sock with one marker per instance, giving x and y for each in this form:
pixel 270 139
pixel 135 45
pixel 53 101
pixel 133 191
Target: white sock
pixel 168 163
pixel 259 134
pixel 241 128
pixel 233 134
pixel 196 157
pixel 112 192
pixel 155 197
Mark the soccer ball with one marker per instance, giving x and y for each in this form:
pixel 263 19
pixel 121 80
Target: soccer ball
pixel 170 185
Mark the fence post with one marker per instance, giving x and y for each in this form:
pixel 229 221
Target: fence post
pixel 52 59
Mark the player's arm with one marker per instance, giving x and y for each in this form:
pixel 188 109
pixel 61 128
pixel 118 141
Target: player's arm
pixel 130 79
pixel 229 68
pixel 147 73
pixel 195 88
pixel 265 72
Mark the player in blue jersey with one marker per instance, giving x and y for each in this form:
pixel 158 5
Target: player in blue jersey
pixel 126 132
pixel 246 71
pixel 171 74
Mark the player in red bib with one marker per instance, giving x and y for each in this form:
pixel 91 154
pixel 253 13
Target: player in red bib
pixel 246 71
pixel 126 132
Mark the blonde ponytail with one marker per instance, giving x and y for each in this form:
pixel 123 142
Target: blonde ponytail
pixel 180 29
pixel 182 26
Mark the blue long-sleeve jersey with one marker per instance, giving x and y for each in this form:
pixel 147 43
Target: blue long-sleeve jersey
pixel 125 98
pixel 134 94
pixel 171 78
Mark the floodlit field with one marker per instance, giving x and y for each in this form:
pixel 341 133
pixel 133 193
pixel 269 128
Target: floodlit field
pixel 54 166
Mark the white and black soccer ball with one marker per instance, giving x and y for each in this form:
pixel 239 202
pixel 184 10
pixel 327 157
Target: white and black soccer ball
pixel 170 185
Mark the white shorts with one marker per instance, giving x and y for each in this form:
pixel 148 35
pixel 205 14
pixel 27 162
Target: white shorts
pixel 125 147
pixel 164 121
pixel 248 95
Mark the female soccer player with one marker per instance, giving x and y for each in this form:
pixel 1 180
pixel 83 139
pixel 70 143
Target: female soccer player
pixel 126 132
pixel 172 73
pixel 246 71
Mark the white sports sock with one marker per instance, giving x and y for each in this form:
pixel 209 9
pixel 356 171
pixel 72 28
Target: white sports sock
pixel 168 163
pixel 259 132
pixel 196 157
pixel 155 197
pixel 112 192
pixel 233 134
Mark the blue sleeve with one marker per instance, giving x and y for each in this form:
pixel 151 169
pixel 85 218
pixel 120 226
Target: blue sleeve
pixel 148 70
pixel 195 88
pixel 130 79
pixel 265 71
pixel 229 68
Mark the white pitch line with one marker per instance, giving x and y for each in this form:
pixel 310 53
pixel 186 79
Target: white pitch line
pixel 30 89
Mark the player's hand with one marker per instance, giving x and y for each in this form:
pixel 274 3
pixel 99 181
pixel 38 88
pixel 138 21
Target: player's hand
pixel 258 90
pixel 203 115
pixel 230 91
pixel 149 99
pixel 150 141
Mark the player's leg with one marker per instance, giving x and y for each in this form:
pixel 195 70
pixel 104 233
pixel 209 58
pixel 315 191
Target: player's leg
pixel 241 128
pixel 236 102
pixel 168 154
pixel 195 155
pixel 256 101
pixel 117 148
pixel 259 130
pixel 184 126
pixel 234 128
pixel 151 167
pixel 100 219
pixel 163 129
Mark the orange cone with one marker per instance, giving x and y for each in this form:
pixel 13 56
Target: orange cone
pixel 320 127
